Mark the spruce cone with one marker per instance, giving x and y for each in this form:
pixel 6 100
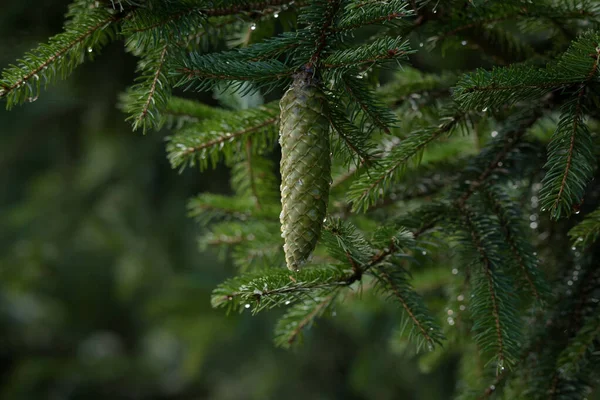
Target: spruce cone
pixel 305 168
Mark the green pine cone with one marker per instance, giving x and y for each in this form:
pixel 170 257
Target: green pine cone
pixel 305 168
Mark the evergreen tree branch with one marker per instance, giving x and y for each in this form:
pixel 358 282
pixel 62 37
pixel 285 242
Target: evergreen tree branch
pixel 585 342
pixel 207 207
pixel 386 48
pixel 145 101
pixel 571 160
pixel 179 112
pixel 153 86
pixel 490 283
pixel 289 328
pixel 587 231
pixel 60 56
pixel 275 287
pixel 521 250
pixel 204 72
pixel 253 177
pixel 330 9
pixel 493 310
pixel 501 86
pixel 361 98
pixel 352 143
pixel 412 83
pixel 227 8
pixel 391 280
pixel 345 243
pixel 359 14
pixel 224 137
pixel 369 187
pixel 510 143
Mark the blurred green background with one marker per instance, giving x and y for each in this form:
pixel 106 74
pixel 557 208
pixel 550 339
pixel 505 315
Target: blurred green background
pixel 103 291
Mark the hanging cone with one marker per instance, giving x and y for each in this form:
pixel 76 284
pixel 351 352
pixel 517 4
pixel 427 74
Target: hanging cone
pixel 305 168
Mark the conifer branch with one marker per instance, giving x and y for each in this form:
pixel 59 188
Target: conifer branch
pixel 331 9
pixel 576 122
pixel 587 231
pixel 386 48
pixel 358 15
pixel 378 113
pixel 216 12
pixel 398 295
pixel 487 270
pixel 511 142
pixel 521 255
pixel 352 143
pixel 369 187
pixel 152 90
pixel 61 54
pixel 224 137
pixel 570 161
pixel 290 327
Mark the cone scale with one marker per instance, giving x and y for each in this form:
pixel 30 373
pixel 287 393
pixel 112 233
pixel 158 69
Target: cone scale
pixel 305 168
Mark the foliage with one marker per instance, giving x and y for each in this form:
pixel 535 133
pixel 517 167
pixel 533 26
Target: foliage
pixel 448 196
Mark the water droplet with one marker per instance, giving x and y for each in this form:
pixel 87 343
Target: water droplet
pixel 492 388
pixel 247 305
pixel 484 109
pixel 253 27
pixel 577 212
pixel 533 225
pixel 287 303
pixel 324 220
pixel 462 307
pixel 573 248
pixel 494 133
pixel 580 239
pixel 464 42
pixel 450 321
pixel 300 182
pixel 460 297
pixel 430 347
pixel 424 253
pixel 276 15
pixel 229 298
pixel 421 44
pixel 450 312
pixel 454 271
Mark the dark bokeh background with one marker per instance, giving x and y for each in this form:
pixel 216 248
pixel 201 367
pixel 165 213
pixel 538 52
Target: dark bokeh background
pixel 103 291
